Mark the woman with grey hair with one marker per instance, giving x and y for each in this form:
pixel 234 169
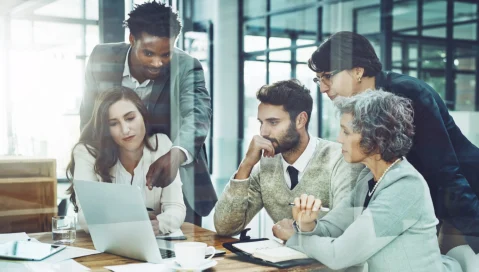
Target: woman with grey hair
pixel 388 221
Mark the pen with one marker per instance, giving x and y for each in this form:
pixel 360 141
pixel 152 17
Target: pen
pixel 324 209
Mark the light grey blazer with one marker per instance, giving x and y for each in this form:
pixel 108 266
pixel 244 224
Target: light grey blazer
pixel 396 232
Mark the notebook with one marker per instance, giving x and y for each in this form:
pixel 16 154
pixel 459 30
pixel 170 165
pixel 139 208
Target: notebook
pixel 270 250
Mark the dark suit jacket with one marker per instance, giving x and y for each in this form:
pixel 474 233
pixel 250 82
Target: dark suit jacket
pixel 448 161
pixel 179 106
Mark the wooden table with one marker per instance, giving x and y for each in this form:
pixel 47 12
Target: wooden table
pixel 228 262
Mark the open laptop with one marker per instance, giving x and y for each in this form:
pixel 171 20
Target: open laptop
pixel 118 221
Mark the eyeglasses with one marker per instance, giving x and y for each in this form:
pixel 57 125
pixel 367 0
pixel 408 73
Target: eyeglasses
pixel 326 78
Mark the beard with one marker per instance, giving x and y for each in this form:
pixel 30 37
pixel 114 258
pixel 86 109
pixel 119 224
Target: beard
pixel 289 142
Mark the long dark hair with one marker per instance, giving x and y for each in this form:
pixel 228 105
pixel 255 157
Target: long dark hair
pixel 97 139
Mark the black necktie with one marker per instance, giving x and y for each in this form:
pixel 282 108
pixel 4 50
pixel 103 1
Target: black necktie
pixel 293 175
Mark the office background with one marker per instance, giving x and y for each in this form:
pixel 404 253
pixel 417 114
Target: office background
pixel 242 44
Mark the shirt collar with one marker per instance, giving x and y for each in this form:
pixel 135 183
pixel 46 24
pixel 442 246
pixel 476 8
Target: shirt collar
pixel 381 80
pixel 303 160
pixel 126 70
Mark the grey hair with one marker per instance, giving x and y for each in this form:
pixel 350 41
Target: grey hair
pixel 384 120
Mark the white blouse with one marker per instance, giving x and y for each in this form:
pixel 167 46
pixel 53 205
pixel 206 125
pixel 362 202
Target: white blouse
pixel 166 202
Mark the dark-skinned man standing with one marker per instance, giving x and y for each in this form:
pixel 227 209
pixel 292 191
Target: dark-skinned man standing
pixel 171 84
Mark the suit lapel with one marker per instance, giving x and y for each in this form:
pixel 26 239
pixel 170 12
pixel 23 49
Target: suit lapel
pixel 110 64
pixel 158 86
pixel 168 78
pixel 119 59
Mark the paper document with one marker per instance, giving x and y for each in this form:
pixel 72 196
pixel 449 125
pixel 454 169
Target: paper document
pixel 19 236
pixel 176 235
pixel 61 261
pixel 29 266
pixel 72 266
pixel 279 254
pixel 270 250
pixel 144 267
pixel 70 253
pixel 68 265
pixel 255 246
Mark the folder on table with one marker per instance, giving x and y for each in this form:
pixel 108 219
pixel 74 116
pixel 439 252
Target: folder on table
pixel 268 252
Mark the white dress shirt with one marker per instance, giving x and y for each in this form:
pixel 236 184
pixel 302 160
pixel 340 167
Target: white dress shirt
pixel 301 163
pixel 166 202
pixel 144 90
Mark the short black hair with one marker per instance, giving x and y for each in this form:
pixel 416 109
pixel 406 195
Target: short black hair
pixel 345 50
pixel 155 19
pixel 291 94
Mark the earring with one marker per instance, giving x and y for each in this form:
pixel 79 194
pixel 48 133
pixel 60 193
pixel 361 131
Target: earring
pixel 359 79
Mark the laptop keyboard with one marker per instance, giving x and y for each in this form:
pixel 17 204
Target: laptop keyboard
pixel 166 253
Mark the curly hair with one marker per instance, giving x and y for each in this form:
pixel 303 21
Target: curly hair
pixel 345 50
pixel 155 19
pixel 384 120
pixel 291 94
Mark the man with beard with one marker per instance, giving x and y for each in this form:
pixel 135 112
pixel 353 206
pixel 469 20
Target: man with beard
pixel 283 162
pixel 171 84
